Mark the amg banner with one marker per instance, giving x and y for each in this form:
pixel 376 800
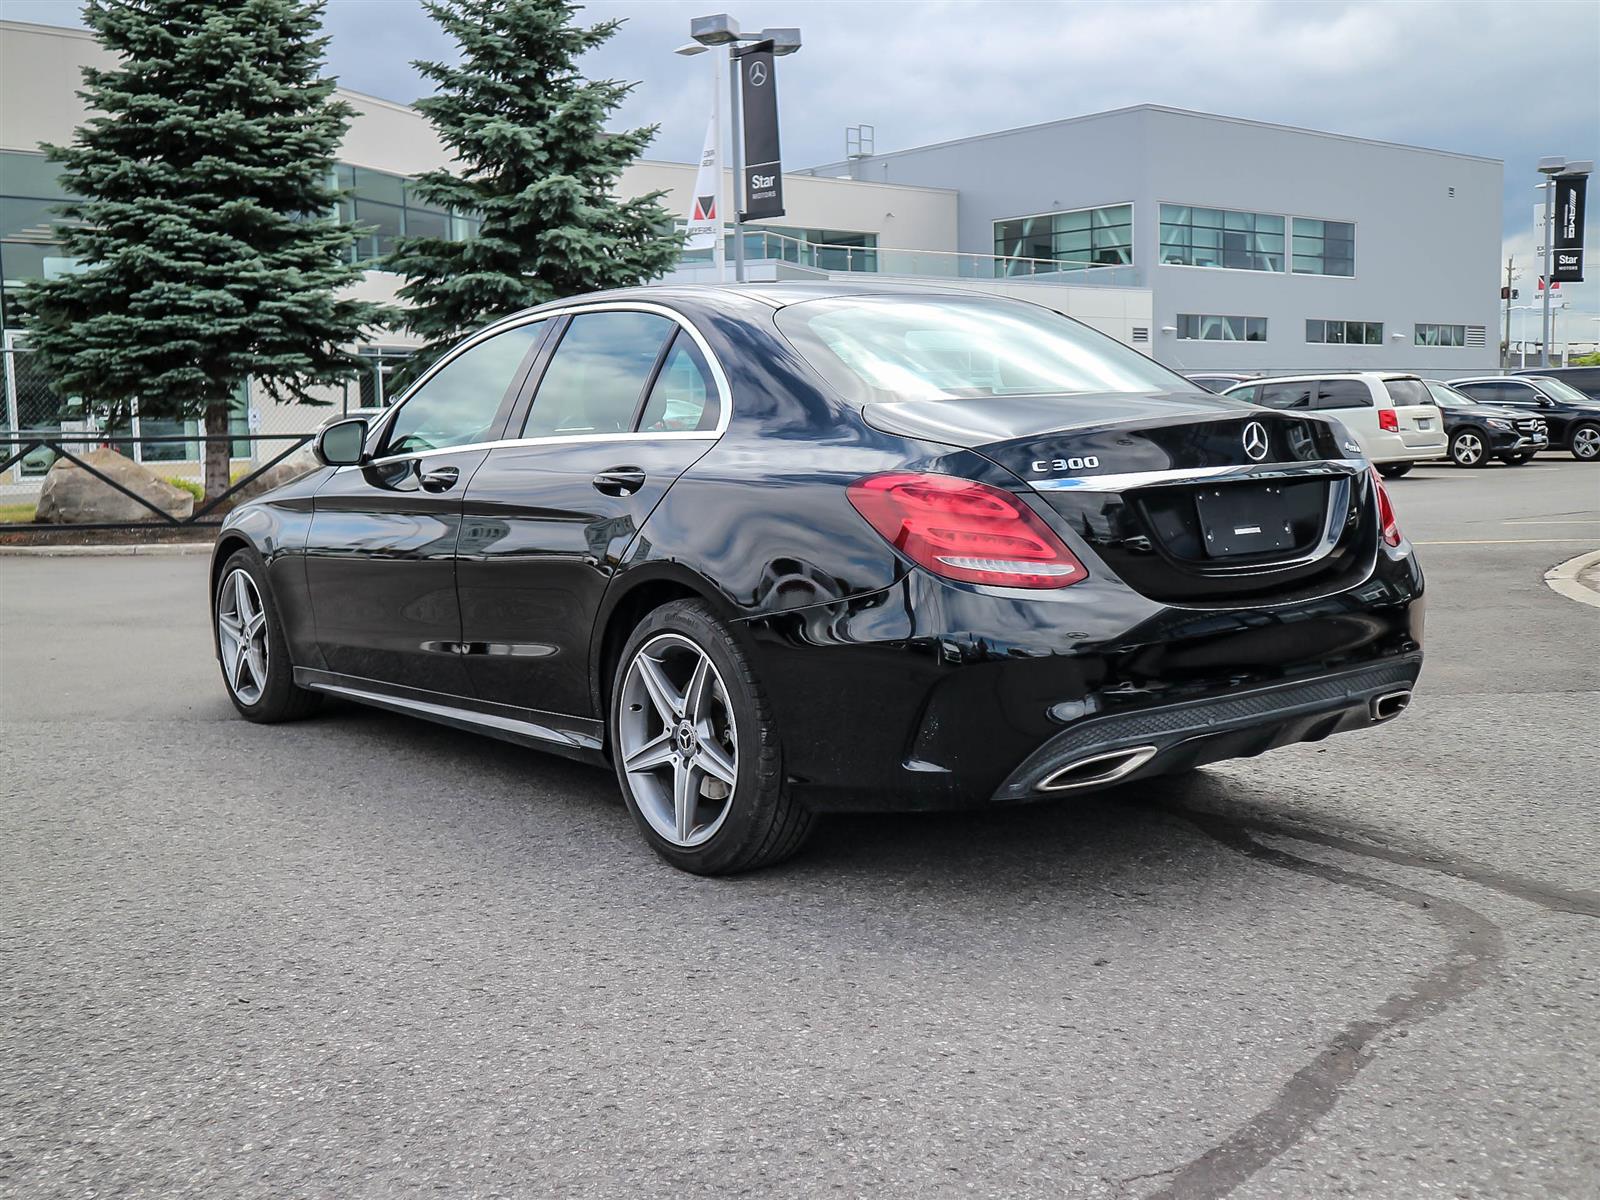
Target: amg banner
pixel 758 97
pixel 1567 248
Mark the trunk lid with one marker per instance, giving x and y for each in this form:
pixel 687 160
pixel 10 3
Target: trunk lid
pixel 1186 497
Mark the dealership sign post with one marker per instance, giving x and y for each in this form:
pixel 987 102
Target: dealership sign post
pixel 1567 237
pixel 762 183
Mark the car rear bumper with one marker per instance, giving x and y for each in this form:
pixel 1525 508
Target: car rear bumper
pixel 931 695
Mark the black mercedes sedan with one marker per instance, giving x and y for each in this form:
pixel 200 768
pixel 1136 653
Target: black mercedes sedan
pixel 776 550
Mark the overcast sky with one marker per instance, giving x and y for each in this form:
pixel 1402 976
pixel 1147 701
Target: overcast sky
pixel 1479 78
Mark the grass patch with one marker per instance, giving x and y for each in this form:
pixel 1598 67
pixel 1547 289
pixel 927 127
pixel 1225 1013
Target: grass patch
pixel 17 514
pixel 197 490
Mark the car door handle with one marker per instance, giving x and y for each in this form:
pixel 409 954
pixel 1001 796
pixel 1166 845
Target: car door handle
pixel 439 479
pixel 619 481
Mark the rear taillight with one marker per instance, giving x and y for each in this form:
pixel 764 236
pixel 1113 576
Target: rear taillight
pixel 1388 420
pixel 1386 523
pixel 965 530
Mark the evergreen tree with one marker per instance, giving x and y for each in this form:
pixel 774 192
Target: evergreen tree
pixel 205 203
pixel 538 168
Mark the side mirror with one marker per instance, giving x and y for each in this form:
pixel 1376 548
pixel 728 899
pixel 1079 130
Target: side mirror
pixel 342 443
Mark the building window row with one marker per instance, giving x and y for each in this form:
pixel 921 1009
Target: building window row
pixel 1084 237
pixel 1246 241
pixel 1345 333
pixel 390 207
pixel 1440 335
pixel 1199 327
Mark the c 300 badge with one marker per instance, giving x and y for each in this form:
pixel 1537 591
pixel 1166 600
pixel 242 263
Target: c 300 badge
pixel 1044 466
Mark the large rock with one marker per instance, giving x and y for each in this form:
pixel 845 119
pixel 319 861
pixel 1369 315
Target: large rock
pixel 72 496
pixel 302 462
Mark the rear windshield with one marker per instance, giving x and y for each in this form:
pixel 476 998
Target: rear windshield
pixel 1407 391
pixel 880 348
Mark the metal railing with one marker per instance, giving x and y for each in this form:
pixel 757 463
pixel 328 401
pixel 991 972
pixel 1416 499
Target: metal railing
pixel 208 512
pixel 765 245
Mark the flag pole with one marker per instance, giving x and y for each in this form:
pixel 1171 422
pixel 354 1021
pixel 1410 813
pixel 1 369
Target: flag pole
pixel 719 250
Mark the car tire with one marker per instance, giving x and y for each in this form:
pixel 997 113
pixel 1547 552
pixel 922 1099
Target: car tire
pixel 1395 470
pixel 686 712
pixel 244 614
pixel 1585 442
pixel 1515 460
pixel 1469 448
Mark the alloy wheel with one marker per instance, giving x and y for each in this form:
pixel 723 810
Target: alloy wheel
pixel 1586 443
pixel 677 740
pixel 242 637
pixel 1468 449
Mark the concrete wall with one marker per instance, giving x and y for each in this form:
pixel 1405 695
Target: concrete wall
pixel 1422 254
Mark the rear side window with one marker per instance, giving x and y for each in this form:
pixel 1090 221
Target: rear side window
pixel 684 396
pixel 1247 393
pixel 1343 393
pixel 598 374
pixel 1287 395
pixel 1407 391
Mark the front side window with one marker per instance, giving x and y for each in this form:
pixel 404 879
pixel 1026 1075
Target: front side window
pixel 1441 335
pixel 1088 237
pixel 1219 237
pixel 597 377
pixel 1288 395
pixel 1203 328
pixel 883 348
pixel 1343 393
pixel 1345 333
pixel 1324 247
pixel 458 403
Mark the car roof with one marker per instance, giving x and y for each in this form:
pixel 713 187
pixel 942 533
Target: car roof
pixel 1382 376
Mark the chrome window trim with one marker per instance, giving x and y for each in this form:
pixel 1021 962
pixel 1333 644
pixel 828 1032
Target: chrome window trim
pixel 719 377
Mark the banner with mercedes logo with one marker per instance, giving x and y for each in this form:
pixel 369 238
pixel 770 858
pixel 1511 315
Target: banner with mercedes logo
pixel 1567 249
pixel 762 185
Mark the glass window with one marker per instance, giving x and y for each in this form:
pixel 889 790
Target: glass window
pixel 1324 247
pixel 684 396
pixel 1441 335
pixel 1495 392
pixel 1204 328
pixel 1249 392
pixel 874 348
pixel 1287 395
pixel 1345 333
pixel 1407 391
pixel 1343 393
pixel 1085 237
pixel 1215 237
pixel 458 403
pixel 593 384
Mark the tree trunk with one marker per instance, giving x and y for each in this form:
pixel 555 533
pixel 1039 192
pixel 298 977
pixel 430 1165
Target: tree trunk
pixel 217 452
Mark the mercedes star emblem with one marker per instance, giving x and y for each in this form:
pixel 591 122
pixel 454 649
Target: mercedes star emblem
pixel 758 74
pixel 1255 441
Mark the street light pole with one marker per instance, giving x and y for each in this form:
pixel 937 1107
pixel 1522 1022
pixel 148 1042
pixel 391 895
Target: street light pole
pixel 736 124
pixel 1549 253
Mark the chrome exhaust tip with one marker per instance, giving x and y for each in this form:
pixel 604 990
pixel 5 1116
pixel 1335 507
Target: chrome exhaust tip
pixel 1097 769
pixel 1390 705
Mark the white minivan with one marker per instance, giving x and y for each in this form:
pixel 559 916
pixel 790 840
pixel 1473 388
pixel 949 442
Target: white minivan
pixel 1392 416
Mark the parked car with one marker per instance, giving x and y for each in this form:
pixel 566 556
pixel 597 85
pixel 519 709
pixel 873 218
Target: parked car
pixel 1392 416
pixel 1573 418
pixel 1583 379
pixel 1217 381
pixel 1479 432
pixel 781 549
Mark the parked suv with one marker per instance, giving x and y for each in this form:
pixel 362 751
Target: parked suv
pixel 1479 432
pixel 1392 416
pixel 1573 418
pixel 1585 379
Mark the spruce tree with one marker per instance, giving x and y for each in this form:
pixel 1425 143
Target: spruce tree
pixel 205 215
pixel 538 168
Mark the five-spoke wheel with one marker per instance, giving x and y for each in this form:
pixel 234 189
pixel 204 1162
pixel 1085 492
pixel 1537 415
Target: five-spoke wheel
pixel 678 740
pixel 242 636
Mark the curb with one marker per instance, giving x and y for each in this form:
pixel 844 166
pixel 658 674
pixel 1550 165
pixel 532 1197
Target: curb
pixel 1563 579
pixel 152 550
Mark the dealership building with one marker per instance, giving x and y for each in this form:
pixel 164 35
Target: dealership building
pixel 1208 242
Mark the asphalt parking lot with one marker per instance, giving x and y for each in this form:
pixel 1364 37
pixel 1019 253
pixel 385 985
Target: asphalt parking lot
pixel 364 956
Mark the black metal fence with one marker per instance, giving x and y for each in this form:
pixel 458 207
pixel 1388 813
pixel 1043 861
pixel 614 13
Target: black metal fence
pixel 208 512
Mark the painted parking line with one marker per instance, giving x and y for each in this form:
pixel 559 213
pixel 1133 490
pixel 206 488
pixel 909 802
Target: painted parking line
pixel 1504 542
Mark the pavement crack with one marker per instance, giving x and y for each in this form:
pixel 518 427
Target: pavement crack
pixel 1578 901
pixel 1477 946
